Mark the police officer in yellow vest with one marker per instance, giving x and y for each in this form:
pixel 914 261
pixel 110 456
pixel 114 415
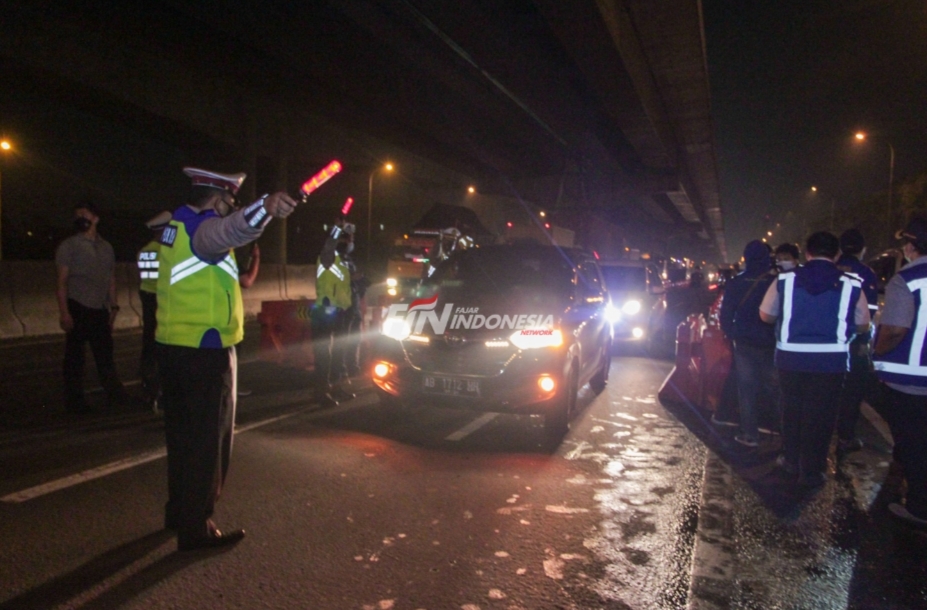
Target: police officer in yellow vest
pixel 148 294
pixel 329 317
pixel 200 320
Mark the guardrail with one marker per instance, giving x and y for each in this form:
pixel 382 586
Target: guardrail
pixel 29 308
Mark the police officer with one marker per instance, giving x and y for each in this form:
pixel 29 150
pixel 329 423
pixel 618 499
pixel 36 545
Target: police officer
pixel 148 294
pixel 817 308
pixel 900 360
pixel 328 317
pixel 852 247
pixel 354 316
pixel 200 320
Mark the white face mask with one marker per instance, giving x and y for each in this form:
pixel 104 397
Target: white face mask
pixel 786 265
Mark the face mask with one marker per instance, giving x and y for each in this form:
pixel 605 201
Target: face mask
pixel 82 225
pixel 786 265
pixel 350 247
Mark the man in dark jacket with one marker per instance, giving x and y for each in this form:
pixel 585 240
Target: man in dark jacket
pixel 753 340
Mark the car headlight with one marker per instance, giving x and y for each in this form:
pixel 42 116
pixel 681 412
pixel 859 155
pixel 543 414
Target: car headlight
pixel 534 338
pixel 392 282
pixel 631 307
pixel 396 328
pixel 612 314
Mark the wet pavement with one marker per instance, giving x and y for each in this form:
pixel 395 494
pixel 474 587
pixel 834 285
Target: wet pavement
pixel 641 506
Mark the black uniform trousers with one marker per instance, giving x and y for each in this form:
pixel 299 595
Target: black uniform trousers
pixel 328 347
pixel 198 397
pixel 906 415
pixel 90 326
pixel 809 414
pixel 148 367
pixel 859 381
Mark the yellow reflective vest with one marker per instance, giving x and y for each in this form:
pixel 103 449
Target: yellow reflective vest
pixel 334 283
pixel 199 303
pixel 148 266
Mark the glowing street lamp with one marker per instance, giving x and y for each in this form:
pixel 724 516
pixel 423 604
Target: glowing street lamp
pixel 471 189
pixel 861 136
pixel 5 146
pixel 388 167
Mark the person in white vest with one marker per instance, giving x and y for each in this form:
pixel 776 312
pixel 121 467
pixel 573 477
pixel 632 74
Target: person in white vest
pixel 900 362
pixel 817 309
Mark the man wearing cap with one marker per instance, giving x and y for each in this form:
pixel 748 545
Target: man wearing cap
pixel 199 321
pixel 852 247
pixel 148 294
pixel 817 309
pixel 87 305
pixel 754 344
pixel 900 360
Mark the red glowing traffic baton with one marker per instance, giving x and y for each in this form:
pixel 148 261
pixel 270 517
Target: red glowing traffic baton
pixel 321 178
pixel 347 206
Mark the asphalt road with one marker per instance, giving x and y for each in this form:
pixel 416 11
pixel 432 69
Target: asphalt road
pixel 641 506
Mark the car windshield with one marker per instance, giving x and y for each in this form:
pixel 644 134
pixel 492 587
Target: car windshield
pixel 625 278
pixel 507 269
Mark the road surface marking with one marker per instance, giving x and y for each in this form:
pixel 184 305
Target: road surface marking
pixel 81 477
pixel 130 462
pixel 472 427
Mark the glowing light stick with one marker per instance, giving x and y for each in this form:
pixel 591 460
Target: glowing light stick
pixel 320 178
pixel 347 206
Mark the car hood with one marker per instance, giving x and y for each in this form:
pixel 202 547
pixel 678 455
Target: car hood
pixel 487 315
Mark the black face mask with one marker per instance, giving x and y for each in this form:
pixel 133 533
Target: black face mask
pixel 82 225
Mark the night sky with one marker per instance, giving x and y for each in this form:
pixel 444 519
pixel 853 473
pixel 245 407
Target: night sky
pixel 791 84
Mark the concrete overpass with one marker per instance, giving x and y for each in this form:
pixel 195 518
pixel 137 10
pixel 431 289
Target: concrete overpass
pixel 595 110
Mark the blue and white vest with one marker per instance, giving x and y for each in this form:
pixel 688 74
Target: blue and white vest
pixel 814 330
pixel 907 363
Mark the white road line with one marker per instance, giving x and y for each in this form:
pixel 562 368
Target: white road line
pixel 81 477
pixel 107 469
pixel 473 426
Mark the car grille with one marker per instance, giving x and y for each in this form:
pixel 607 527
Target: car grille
pixel 458 356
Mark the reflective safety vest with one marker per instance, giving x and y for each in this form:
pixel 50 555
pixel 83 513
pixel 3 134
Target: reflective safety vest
pixel 814 330
pixel 148 266
pixel 334 283
pixel 199 302
pixel 907 363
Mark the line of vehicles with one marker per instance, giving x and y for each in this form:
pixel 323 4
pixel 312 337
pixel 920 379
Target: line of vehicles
pixel 516 328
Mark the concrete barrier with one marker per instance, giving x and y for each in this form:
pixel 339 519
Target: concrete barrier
pixel 33 285
pixel 29 308
pixel 10 326
pixel 300 282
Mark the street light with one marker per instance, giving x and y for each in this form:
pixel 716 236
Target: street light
pixel 891 171
pixel 387 167
pixel 5 146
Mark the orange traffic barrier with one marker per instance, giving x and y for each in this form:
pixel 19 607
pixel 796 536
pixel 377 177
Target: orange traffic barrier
pixel 716 365
pixel 683 383
pixel 286 332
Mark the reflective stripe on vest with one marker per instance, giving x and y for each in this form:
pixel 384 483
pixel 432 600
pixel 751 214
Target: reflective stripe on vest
pixel 194 264
pixel 320 269
pixel 148 265
pixel 841 338
pixel 905 365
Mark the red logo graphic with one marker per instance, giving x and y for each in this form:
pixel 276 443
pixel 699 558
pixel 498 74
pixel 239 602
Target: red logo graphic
pixel 423 304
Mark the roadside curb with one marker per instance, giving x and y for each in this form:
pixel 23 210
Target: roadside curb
pixel 711 584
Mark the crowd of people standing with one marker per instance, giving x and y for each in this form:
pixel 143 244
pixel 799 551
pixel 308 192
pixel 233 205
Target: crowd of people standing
pixel 805 357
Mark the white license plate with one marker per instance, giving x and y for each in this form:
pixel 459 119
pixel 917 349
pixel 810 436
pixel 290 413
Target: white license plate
pixel 451 386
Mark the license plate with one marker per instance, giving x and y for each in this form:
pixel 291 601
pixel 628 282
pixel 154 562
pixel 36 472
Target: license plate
pixel 451 386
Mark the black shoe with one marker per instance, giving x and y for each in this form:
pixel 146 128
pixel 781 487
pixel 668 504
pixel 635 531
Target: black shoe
pixel 213 540
pixel 326 400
